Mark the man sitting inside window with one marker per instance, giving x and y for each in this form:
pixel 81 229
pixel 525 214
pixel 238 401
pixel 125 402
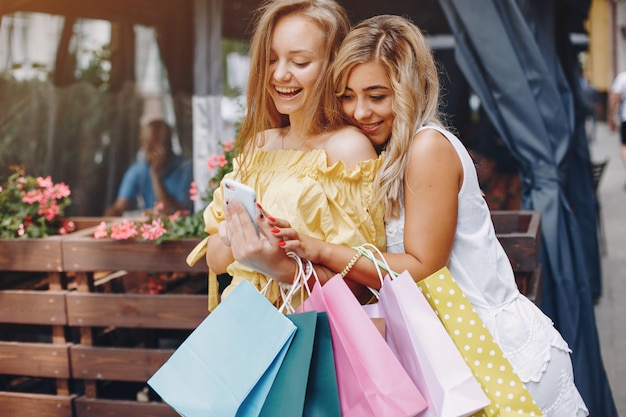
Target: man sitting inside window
pixel 161 177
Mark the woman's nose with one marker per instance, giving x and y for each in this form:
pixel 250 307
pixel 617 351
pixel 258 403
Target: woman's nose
pixel 361 111
pixel 281 71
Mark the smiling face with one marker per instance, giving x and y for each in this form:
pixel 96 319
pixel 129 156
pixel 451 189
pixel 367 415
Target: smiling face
pixel 296 61
pixel 367 101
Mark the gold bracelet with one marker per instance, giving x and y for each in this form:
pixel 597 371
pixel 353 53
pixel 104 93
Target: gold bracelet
pixel 351 264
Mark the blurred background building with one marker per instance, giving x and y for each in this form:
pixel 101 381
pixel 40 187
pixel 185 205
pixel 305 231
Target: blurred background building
pixel 141 60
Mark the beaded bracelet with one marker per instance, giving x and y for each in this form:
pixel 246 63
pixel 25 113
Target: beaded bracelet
pixel 351 264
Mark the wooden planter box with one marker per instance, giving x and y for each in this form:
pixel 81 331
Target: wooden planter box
pixel 127 313
pixel 519 232
pixel 33 346
pixel 82 252
pixel 42 254
pixel 79 251
pixel 78 258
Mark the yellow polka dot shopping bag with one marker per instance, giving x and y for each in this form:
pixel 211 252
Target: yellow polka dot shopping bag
pixel 507 393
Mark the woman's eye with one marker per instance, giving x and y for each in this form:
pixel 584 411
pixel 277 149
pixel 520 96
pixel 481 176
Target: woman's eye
pixel 301 64
pixel 378 98
pixel 346 97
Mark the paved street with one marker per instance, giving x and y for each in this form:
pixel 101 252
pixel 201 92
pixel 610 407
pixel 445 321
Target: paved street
pixel 611 309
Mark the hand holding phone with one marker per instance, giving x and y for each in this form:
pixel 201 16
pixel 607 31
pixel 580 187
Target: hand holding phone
pixel 234 190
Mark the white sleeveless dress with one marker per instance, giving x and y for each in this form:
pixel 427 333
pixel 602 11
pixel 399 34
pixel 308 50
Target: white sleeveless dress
pixel 536 350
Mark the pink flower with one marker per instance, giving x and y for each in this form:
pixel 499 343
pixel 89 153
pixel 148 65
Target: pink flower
pixel 32 197
pixel 152 231
pixel 154 287
pixel 101 231
pixel 217 161
pixel 159 207
pixel 34 202
pixel 50 210
pixel 178 214
pixel 44 182
pixel 124 230
pixel 60 190
pixel 66 227
pixel 193 191
pixel 213 161
pixel 228 146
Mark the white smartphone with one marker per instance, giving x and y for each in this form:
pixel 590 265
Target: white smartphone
pixel 234 190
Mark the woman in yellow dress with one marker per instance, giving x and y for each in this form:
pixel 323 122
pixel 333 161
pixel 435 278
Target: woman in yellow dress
pixel 294 148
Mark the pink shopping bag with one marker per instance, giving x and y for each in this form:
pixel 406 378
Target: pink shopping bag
pixel 370 379
pixel 421 343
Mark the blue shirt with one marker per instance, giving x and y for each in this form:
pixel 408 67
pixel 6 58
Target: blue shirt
pixel 136 184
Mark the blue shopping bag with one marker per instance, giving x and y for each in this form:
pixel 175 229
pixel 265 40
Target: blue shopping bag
pixel 228 364
pixel 306 384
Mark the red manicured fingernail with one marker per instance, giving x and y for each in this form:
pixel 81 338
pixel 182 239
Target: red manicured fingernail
pixel 282 243
pixel 270 218
pixel 259 206
pixel 275 230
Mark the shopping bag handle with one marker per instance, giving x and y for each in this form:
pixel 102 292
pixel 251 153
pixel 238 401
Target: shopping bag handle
pixel 300 281
pixel 367 250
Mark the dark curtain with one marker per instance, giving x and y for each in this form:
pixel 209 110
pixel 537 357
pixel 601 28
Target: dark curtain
pixel 580 174
pixel 508 53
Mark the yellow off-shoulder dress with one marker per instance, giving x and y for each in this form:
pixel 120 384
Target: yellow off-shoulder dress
pixel 335 203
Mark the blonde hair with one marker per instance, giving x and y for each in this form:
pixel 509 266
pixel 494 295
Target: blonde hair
pixel 322 111
pixel 401 48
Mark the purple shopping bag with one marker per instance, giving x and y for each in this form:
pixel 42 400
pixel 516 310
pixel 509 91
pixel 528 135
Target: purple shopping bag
pixel 421 343
pixel 370 379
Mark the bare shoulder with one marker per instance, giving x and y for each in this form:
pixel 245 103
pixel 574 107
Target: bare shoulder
pixel 432 154
pixel 350 145
pixel 430 143
pixel 269 140
pixel 348 133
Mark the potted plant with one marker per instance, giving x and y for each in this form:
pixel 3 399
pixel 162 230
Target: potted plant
pixel 31 221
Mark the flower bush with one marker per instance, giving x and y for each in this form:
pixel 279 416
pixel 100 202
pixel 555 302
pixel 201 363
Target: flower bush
pixel 33 207
pixel 221 164
pixel 157 226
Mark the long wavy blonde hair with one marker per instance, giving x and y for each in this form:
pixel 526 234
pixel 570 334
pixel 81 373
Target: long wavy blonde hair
pixel 402 49
pixel 322 111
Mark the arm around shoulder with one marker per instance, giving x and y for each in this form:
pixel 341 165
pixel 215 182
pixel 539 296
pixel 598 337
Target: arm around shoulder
pixel 433 181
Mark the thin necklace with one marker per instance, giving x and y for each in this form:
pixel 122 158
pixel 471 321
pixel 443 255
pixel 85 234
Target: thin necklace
pixel 282 141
